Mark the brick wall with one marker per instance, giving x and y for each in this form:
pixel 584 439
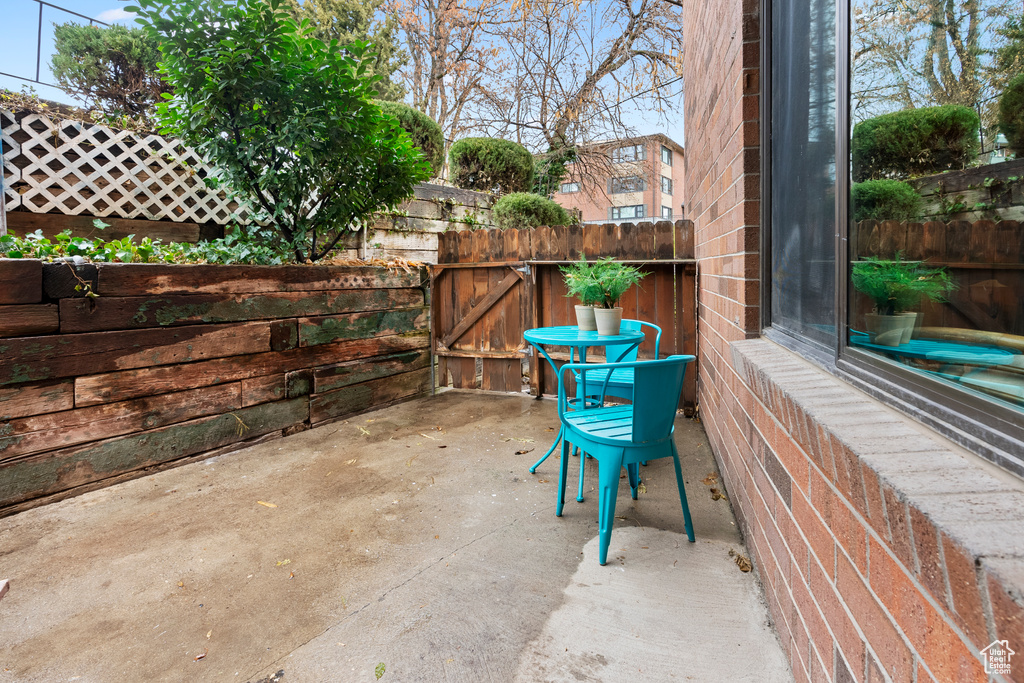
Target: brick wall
pixel 171 363
pixel 885 552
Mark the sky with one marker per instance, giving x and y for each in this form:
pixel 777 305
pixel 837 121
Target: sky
pixel 20 39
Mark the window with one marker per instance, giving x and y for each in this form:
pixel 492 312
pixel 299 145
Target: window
pixel 666 155
pixel 666 212
pixel 628 153
pixel 620 212
pixel 666 185
pixel 630 183
pixel 802 219
pixel 859 233
pixel 569 188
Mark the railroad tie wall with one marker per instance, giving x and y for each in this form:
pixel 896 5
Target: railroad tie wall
pixel 170 363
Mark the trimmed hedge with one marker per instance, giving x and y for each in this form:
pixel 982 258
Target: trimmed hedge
pixel 885 200
pixel 1011 114
pixel 489 164
pixel 527 210
pixel 425 133
pixel 914 142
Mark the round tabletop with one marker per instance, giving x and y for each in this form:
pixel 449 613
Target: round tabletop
pixel 570 335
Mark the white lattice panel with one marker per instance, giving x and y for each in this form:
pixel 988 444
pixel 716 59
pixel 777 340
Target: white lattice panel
pixel 11 148
pixel 74 168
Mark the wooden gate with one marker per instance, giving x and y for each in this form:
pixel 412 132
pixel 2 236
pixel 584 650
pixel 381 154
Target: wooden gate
pixel 489 286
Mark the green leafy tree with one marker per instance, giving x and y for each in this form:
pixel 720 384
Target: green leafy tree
pixel 113 68
pixel 350 21
pixel 1011 114
pixel 425 133
pixel 288 122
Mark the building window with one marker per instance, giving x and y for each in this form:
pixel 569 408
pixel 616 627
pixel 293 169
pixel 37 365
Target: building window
pixel 628 153
pixel 836 220
pixel 630 183
pixel 666 212
pixel 666 155
pixel 666 185
pixel 569 188
pixel 621 212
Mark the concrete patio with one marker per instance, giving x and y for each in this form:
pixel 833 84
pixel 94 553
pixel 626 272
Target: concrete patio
pixel 412 537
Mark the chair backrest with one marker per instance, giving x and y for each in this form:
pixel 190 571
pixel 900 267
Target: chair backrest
pixel 657 385
pixel 621 353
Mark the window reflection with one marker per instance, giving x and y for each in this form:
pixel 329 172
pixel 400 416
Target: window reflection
pixel 937 246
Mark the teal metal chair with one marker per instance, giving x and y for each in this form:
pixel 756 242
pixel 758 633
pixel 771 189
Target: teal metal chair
pixel 617 382
pixel 620 380
pixel 620 436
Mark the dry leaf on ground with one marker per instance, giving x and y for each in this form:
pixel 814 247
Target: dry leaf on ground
pixel 266 505
pixel 710 479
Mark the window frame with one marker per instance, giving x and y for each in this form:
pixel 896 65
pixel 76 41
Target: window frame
pixel 639 154
pixel 666 152
pixel 669 216
pixel 636 214
pixel 665 179
pixel 992 430
pixel 572 184
pixel 616 184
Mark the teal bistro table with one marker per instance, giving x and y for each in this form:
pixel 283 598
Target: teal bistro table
pixel 578 342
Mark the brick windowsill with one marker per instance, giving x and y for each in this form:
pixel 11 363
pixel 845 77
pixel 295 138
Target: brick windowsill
pixel 953 521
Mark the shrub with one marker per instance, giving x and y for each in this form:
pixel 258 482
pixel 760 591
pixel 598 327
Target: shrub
pixel 288 122
pixel 914 142
pixel 489 164
pixel 885 200
pixel 113 68
pixel 526 210
pixel 425 133
pixel 1011 114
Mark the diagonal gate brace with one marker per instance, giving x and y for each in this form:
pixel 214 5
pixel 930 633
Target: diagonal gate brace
pixel 478 311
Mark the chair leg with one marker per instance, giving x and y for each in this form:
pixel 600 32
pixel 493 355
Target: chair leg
pixel 563 469
pixel 608 473
pixel 633 470
pixel 583 468
pixel 682 493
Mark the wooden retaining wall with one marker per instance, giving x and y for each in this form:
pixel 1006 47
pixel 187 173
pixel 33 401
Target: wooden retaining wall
pixel 983 192
pixel 173 363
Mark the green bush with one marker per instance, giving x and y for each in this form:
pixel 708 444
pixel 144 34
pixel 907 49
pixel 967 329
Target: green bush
pixel 288 122
pixel 885 200
pixel 489 164
pixel 914 142
pixel 425 133
pixel 526 210
pixel 1011 114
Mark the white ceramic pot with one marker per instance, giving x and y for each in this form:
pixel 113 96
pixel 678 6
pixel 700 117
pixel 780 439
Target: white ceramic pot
pixel 585 318
pixel 885 330
pixel 608 320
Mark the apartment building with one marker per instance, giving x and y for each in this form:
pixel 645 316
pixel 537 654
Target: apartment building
pixel 626 181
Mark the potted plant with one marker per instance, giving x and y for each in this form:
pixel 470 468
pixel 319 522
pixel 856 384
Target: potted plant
pixel 613 279
pixel 581 283
pixel 896 287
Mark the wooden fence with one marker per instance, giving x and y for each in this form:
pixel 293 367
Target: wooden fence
pixel 985 257
pixel 173 363
pixel 489 286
